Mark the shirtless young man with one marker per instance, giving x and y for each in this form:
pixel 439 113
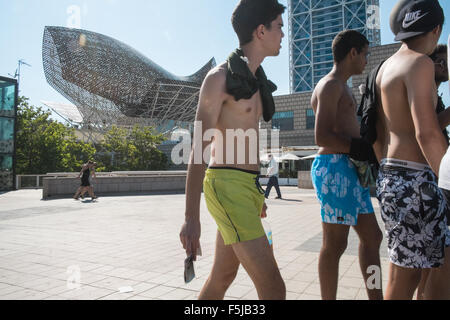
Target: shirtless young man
pixel 232 99
pixel 410 146
pixel 439 57
pixel 344 202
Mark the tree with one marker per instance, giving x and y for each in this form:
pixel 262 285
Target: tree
pixel 44 145
pixel 132 150
pixel 146 155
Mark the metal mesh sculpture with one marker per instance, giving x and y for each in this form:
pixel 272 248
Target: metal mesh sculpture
pixel 113 84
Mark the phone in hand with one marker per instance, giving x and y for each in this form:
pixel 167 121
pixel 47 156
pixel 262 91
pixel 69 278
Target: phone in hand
pixel 189 272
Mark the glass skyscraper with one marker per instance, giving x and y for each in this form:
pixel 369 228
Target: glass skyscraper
pixel 313 24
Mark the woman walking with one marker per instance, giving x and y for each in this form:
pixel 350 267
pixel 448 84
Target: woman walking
pixel 86 170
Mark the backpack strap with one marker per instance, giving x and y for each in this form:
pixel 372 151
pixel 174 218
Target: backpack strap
pixel 368 106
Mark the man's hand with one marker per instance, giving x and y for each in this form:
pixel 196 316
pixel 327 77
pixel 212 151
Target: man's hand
pixel 264 211
pixel 190 237
pixel 361 150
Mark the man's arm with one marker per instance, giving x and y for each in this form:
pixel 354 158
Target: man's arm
pixel 212 97
pixel 327 105
pixel 325 134
pixel 93 175
pixel 421 90
pixel 81 172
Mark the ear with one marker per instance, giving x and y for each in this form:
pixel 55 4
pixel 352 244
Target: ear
pixel 353 52
pixel 260 30
pixel 437 30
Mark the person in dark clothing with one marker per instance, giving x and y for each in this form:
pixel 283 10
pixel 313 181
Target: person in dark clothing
pixel 86 171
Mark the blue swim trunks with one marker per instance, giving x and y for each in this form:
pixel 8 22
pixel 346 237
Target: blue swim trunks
pixel 339 192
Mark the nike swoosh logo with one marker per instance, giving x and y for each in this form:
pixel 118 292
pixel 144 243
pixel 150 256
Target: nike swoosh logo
pixel 406 25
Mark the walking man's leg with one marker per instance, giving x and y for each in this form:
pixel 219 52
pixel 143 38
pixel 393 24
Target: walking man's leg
pixel 258 260
pixel 402 282
pixel 77 193
pixel 422 284
pixel 269 187
pixel 277 187
pixel 91 191
pixel 334 244
pixel 224 270
pixel 256 256
pixel 437 286
pixel 370 237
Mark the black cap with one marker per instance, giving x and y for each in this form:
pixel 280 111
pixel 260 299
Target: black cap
pixel 411 18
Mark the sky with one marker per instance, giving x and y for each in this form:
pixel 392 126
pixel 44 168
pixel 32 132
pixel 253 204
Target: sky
pixel 179 35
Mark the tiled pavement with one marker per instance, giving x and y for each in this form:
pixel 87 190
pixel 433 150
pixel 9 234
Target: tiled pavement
pixel 66 249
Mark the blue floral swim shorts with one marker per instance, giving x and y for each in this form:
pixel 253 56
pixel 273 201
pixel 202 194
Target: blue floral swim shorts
pixel 341 196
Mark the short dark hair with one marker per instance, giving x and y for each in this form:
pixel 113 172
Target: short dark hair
pixel 441 48
pixel 249 14
pixel 345 41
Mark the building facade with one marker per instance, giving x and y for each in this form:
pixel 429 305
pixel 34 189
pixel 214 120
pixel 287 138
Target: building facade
pixel 294 117
pixel 313 24
pixel 8 116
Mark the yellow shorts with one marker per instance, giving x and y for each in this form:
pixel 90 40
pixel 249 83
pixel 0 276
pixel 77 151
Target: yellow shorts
pixel 235 200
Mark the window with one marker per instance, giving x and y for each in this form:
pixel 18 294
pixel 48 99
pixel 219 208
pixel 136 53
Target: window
pixel 6 129
pixel 7 96
pixel 284 121
pixel 8 89
pixel 6 163
pixel 310 119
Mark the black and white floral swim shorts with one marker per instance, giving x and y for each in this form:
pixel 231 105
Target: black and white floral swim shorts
pixel 413 209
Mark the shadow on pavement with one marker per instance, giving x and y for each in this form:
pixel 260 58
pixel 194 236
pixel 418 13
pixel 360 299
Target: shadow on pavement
pixel 291 200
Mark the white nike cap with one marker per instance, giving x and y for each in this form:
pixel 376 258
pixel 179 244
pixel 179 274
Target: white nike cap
pixel 410 18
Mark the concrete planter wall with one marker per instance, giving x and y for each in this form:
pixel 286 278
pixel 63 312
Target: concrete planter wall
pixel 65 184
pixel 110 185
pixel 281 181
pixel 304 180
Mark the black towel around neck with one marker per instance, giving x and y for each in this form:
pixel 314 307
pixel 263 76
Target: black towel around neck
pixel 242 84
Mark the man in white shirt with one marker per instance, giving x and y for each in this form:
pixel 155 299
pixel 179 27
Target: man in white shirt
pixel 272 172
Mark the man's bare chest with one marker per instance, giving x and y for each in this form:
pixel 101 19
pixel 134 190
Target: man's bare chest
pixel 244 108
pixel 346 105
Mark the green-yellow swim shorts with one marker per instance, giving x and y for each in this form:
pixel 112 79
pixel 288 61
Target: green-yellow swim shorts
pixel 235 199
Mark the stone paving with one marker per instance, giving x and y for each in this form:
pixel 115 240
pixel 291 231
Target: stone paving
pixel 66 249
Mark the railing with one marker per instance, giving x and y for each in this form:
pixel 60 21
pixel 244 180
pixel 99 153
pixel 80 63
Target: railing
pixel 29 181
